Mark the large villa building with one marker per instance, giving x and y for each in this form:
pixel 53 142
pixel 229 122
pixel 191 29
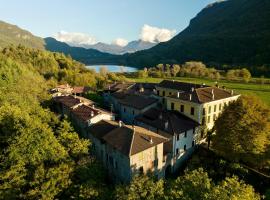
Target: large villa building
pixel 198 102
pixel 159 125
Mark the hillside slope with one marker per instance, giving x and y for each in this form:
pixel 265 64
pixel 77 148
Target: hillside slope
pixel 227 32
pixel 11 34
pixel 87 56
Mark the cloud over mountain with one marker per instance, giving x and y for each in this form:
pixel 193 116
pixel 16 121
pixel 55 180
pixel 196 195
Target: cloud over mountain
pixel 75 39
pixel 155 34
pixel 120 42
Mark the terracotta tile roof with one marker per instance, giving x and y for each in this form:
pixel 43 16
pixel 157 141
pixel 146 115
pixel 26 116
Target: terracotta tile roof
pixel 171 122
pixel 80 90
pixel 134 101
pixel 100 129
pixel 68 101
pixel 85 112
pixel 126 139
pixel 204 95
pixel 145 89
pixel 180 86
pixel 118 87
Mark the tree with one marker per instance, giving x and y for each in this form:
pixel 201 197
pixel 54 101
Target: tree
pixel 103 70
pixel 245 74
pixel 243 132
pixel 141 187
pixel 232 188
pixel 230 75
pixel 193 185
pixel 175 70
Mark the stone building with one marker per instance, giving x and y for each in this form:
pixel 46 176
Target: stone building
pixel 127 150
pixel 183 134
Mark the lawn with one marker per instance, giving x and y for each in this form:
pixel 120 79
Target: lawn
pixel 260 90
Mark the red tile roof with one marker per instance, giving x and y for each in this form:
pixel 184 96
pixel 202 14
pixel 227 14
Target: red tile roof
pixel 85 112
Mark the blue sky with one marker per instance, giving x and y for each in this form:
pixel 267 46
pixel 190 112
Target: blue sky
pixel 104 20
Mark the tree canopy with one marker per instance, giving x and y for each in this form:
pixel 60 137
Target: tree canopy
pixel 243 132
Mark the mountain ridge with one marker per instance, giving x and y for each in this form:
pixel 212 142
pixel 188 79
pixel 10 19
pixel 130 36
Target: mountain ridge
pixel 232 32
pixel 12 34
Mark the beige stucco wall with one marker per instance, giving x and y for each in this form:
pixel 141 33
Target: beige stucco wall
pixel 198 109
pixel 147 160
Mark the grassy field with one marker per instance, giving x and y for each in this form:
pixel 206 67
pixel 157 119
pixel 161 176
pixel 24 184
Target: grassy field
pixel 260 90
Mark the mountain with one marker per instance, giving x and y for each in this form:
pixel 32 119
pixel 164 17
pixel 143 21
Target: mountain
pixel 131 47
pixel 11 34
pixel 233 32
pixel 87 56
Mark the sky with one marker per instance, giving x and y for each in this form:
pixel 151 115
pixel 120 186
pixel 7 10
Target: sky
pixel 110 21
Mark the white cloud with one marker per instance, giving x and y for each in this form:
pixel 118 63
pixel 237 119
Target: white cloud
pixel 120 42
pixel 75 39
pixel 155 34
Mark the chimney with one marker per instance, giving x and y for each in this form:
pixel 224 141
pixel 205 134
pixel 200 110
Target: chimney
pixel 192 89
pixel 190 97
pixel 172 80
pixel 213 95
pixel 120 123
pixel 232 92
pixel 133 128
pixel 178 94
pixel 93 106
pixel 151 140
pixel 92 113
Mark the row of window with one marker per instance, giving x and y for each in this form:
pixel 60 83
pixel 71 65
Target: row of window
pixel 185 147
pixel 209 119
pixel 182 109
pixel 185 134
pixel 219 106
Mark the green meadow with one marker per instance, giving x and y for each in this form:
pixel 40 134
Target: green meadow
pixel 260 90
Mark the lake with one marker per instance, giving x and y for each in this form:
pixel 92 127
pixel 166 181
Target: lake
pixel 113 68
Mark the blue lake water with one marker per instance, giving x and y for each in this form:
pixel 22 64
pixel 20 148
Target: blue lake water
pixel 113 68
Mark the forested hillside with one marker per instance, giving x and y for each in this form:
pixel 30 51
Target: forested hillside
pixel 11 34
pixel 41 157
pixel 233 32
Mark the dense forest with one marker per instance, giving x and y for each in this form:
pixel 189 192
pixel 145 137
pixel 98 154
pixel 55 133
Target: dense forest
pixel 42 157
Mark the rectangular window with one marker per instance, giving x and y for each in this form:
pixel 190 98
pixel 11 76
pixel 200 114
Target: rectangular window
pixel 185 147
pixel 156 163
pixel 215 117
pixel 203 121
pixel 172 106
pixel 177 151
pixel 192 111
pixel 182 108
pixel 170 93
pixel 209 119
pixel 141 170
pixel 177 137
pixel 209 109
pixel 215 108
pixel 163 93
pixel 193 130
pixel 220 107
pixel 185 134
pixel 158 92
pixel 124 109
pixel 193 143
pixel 204 112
